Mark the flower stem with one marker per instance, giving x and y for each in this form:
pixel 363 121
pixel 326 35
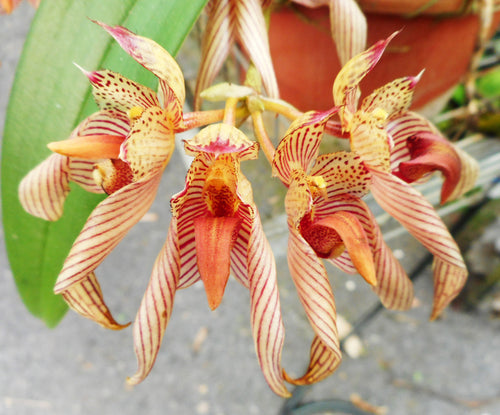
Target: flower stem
pixel 199 118
pixel 262 136
pixel 281 107
pixel 230 111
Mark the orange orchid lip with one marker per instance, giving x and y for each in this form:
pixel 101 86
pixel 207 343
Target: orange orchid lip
pixel 91 147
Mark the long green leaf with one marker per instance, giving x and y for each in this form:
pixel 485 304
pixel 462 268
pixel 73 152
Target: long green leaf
pixel 49 98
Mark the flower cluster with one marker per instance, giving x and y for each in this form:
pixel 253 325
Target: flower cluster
pixel 215 231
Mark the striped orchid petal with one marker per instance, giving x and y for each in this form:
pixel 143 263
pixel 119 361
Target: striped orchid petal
pixel 417 215
pixel 349 28
pixel 43 191
pixel 430 152
pixel 252 34
pixel 154 58
pixel 86 299
pixel 105 228
pixel 323 361
pixel 113 91
pixel 401 127
pixel 156 306
pixel 217 41
pixel 316 296
pixel 300 145
pixel 448 282
pixel 150 144
pixel 265 317
pixel 313 287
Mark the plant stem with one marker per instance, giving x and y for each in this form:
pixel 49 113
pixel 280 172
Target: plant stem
pixel 281 107
pixel 262 136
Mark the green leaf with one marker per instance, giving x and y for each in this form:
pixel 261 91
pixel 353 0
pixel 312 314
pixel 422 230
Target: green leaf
pixel 49 98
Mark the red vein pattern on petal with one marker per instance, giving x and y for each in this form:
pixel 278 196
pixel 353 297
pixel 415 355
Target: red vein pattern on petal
pixel 323 362
pixel 150 144
pixel 43 190
pixel 469 172
pixel 106 226
pixel 239 253
pixel 86 299
pixel 344 173
pixel 81 172
pixel 349 28
pixel 417 215
pixel 218 39
pixel 300 145
pixel 402 126
pixel 113 91
pixel 252 34
pixel 156 306
pixel 448 282
pixel 152 56
pixel 393 97
pixel 266 320
pixel 106 122
pixel 314 290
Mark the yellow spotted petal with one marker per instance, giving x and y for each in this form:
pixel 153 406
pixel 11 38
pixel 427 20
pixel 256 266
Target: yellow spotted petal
pixel 370 141
pixel 153 57
pixel 150 144
pixel 393 97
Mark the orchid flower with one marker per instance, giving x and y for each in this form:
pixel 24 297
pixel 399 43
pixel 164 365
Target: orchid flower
pixel 397 147
pixel 230 21
pixel 122 149
pixel 215 228
pixel 328 220
pixel 348 26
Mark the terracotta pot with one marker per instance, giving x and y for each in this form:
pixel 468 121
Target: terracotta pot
pixel 306 62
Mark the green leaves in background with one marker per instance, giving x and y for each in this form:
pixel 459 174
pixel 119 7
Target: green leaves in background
pixel 49 98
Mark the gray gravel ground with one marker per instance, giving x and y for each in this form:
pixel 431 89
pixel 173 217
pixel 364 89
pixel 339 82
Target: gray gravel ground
pixel 207 364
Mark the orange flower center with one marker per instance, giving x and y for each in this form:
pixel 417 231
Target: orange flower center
pixel 325 241
pixel 219 191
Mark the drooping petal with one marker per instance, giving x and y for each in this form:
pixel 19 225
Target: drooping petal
pixel 345 86
pixel 215 238
pixel 323 361
pixel 417 215
pixel 315 292
pixel 252 34
pixel 43 191
pixel 265 316
pixel 355 240
pixel 113 91
pixel 349 29
pixel 105 122
pixel 105 228
pixel 448 282
pixel 150 144
pixel 86 299
pixel 187 205
pixel 217 41
pixel 156 306
pixel 430 152
pixel 393 287
pixel 300 145
pixel 154 58
pixel 393 97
